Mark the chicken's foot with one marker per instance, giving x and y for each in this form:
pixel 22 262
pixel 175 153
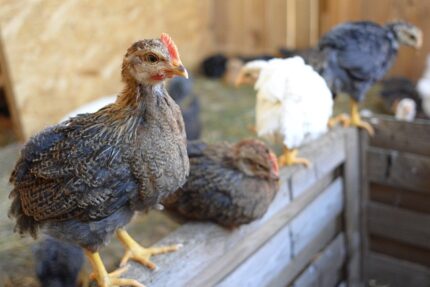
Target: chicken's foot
pixel 289 157
pixel 357 121
pixel 140 254
pixel 342 118
pixel 105 279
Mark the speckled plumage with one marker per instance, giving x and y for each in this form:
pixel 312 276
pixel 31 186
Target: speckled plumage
pixel 84 178
pixel 357 54
pixel 228 184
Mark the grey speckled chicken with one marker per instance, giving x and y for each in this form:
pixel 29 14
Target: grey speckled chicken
pixel 228 184
pixel 357 54
pixel 58 263
pixel 82 180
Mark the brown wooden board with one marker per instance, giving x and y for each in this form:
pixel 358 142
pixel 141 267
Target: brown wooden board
pixel 388 271
pixel 400 197
pixel 412 137
pixel 400 250
pixel 400 224
pixel 399 169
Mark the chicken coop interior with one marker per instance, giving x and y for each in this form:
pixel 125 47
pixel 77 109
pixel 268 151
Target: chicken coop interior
pixel 215 143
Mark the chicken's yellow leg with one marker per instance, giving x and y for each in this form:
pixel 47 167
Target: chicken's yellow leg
pixel 289 157
pixel 140 254
pixel 342 118
pixel 357 121
pixel 105 279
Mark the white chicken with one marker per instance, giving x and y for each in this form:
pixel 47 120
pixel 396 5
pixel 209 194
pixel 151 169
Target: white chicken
pixel 423 87
pixel 293 105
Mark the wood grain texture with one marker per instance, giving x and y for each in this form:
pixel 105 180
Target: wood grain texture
pixel 77 54
pixel 299 262
pixel 353 184
pixel 400 250
pixel 400 197
pixel 412 137
pixel 385 270
pixel 400 224
pixel 325 208
pixel 399 169
pixel 326 268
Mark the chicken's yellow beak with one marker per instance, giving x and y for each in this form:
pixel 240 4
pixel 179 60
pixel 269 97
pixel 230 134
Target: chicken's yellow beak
pixel 179 70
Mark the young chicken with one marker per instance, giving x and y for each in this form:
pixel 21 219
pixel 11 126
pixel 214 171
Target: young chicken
pixel 400 98
pixel 293 105
pixel 228 184
pixel 357 54
pixel 58 263
pixel 82 180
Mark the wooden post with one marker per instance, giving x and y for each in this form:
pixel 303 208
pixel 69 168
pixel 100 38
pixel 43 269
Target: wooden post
pixel 352 174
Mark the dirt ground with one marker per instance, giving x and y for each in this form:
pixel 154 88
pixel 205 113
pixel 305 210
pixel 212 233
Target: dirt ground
pixel 227 113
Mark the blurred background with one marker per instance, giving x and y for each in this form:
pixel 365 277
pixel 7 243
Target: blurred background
pixel 56 56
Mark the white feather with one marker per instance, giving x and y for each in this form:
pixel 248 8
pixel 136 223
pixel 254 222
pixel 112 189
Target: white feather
pixel 423 88
pixel 293 102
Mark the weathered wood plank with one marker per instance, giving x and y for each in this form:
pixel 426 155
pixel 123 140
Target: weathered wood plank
pixel 352 174
pixel 326 153
pixel 364 144
pixel 400 250
pixel 399 224
pixel 399 169
pixel 413 137
pixel 299 262
pixel 388 271
pixel 306 225
pixel 228 262
pixel 326 269
pixel 277 251
pixel 265 262
pixel 400 197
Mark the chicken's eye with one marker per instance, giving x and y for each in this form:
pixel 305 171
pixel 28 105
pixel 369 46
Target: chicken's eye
pixel 151 58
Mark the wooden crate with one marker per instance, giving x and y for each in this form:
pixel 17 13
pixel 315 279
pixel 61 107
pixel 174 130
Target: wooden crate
pixel 309 234
pixel 398 205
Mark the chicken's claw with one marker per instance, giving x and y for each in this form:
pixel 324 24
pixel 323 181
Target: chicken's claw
pixel 344 119
pixel 289 157
pixel 140 254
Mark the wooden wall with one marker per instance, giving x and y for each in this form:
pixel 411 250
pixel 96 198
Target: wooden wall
pixel 61 54
pixel 410 62
pixel 398 205
pixel 263 26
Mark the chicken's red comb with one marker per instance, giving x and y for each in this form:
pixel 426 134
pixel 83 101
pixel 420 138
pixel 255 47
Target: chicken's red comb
pixel 171 47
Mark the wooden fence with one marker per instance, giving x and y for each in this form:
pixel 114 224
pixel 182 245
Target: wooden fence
pixel 309 236
pixel 398 208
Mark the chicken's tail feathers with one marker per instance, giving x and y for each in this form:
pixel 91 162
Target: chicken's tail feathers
pixel 24 223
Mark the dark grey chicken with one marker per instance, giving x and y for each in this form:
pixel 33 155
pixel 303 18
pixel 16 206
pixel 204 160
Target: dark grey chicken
pixel 357 54
pixel 395 91
pixel 58 263
pixel 181 90
pixel 228 184
pixel 82 180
